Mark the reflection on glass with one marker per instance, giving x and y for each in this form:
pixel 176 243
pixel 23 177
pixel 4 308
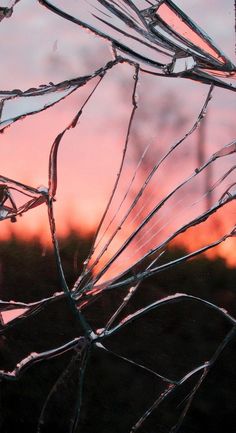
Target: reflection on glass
pixel 126 323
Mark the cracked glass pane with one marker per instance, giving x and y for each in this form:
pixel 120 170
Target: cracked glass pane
pixel 117 208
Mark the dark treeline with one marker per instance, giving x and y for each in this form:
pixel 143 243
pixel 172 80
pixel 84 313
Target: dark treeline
pixel 172 340
pixel 28 270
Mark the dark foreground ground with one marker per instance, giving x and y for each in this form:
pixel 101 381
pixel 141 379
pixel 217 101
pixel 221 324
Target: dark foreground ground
pixel 172 340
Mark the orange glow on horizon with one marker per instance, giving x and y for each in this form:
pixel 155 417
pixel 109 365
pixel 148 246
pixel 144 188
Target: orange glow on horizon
pixel 190 240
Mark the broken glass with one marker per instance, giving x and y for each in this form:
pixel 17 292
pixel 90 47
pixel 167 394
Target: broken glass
pixel 120 339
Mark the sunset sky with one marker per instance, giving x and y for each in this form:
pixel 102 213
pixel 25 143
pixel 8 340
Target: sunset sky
pixel 38 47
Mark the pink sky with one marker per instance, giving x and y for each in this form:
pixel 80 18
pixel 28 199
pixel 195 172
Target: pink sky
pixel 37 48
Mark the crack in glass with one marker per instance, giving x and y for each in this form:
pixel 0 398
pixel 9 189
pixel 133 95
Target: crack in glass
pixel 153 38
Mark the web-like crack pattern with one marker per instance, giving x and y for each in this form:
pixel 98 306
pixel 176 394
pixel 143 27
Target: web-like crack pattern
pixel 157 38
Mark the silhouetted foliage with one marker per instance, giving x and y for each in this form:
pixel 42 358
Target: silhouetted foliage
pixel 116 393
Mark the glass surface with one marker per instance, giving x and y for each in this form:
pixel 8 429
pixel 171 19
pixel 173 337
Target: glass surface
pixel 117 208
